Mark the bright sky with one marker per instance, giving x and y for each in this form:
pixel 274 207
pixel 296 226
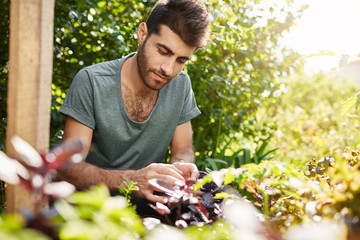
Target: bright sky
pixel 329 25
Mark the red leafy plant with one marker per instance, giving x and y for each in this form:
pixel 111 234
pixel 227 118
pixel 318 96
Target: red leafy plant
pixel 184 207
pixel 36 171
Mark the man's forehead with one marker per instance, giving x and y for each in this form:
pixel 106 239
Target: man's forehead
pixel 172 40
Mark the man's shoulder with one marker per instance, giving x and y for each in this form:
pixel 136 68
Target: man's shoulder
pixel 181 83
pixel 183 74
pixel 108 68
pixel 182 79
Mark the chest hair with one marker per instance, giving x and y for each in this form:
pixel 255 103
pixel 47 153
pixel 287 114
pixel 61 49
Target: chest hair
pixel 138 105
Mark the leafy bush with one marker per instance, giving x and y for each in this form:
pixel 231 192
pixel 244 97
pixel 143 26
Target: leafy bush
pixel 237 73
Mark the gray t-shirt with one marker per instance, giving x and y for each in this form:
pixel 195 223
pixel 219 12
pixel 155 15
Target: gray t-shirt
pixel 94 99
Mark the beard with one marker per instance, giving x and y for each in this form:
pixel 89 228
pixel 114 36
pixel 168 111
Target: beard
pixel 145 71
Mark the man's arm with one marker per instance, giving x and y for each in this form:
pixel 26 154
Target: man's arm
pixel 182 151
pixel 83 175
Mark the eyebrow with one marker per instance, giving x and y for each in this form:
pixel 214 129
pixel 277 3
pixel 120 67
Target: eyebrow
pixel 170 51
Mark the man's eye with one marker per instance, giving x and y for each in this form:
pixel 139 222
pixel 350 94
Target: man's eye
pixel 162 52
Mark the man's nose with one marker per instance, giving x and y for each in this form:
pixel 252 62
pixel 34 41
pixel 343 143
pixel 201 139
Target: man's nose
pixel 168 67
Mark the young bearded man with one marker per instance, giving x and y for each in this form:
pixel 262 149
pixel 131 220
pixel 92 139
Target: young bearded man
pixel 131 109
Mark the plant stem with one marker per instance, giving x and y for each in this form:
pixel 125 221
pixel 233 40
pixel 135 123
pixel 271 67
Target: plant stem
pixel 266 204
pixel 218 134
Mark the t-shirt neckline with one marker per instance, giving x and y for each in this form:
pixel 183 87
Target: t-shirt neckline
pixel 121 100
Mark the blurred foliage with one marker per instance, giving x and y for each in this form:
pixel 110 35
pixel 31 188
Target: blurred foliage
pixel 14 227
pixel 351 103
pixel 237 72
pixel 309 120
pixel 339 179
pixel 94 214
pixel 230 158
pixel 341 182
pixel 321 190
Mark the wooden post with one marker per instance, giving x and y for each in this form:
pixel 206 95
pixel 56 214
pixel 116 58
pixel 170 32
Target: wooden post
pixel 29 83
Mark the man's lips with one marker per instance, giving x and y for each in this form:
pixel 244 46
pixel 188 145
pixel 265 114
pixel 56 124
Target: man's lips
pixel 160 77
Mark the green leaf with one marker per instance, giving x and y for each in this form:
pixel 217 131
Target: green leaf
pixel 101 4
pixel 357 101
pixel 213 162
pixel 11 222
pixel 348 105
pixel 95 197
pixel 229 177
pixel 221 195
pixel 247 155
pixel 256 159
pixel 202 182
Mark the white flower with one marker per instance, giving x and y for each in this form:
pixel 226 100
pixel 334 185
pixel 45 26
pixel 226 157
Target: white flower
pixel 10 169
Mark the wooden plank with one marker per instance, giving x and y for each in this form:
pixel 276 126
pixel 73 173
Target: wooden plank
pixel 29 83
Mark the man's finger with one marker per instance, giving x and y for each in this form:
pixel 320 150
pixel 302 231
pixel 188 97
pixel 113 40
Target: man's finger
pixel 155 198
pixel 170 170
pixel 195 174
pixel 170 179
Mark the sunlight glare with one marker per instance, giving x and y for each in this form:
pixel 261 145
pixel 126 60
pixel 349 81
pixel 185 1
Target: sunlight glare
pixel 329 25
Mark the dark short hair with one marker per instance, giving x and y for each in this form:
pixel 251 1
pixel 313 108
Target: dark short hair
pixel 187 18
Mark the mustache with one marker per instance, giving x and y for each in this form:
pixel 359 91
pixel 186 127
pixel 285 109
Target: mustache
pixel 161 73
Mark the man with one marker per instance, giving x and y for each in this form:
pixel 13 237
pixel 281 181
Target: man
pixel 131 109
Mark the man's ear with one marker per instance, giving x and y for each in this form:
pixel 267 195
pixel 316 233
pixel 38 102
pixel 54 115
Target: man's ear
pixel 142 33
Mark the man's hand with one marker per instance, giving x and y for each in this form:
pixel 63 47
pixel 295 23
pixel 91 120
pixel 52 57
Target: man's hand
pixel 189 171
pixel 164 172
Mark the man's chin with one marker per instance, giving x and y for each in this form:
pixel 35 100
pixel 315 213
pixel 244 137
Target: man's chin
pixel 156 85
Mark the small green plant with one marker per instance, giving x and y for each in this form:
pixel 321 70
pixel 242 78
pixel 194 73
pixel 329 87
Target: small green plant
pixel 130 186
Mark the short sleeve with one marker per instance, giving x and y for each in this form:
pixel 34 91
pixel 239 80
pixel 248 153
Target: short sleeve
pixel 190 109
pixel 78 103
